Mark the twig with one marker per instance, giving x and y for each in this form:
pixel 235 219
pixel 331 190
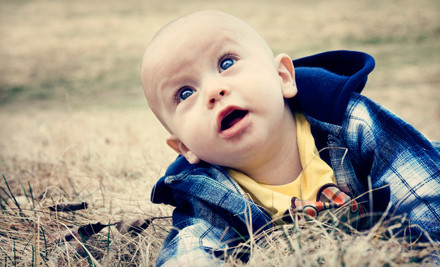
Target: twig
pixel 68 207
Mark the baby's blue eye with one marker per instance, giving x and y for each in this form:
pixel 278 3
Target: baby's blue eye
pixel 226 63
pixel 185 93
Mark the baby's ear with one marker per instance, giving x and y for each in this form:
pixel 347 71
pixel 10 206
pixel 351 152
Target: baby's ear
pixel 286 72
pixel 180 148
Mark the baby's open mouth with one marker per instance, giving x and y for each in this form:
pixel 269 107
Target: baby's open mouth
pixel 232 118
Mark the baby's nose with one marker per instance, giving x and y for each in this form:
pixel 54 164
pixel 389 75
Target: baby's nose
pixel 216 96
pixel 215 89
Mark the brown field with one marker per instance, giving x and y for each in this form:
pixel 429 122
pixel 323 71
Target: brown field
pixel 75 125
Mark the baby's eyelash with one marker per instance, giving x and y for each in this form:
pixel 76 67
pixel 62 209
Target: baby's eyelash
pixel 225 56
pixel 177 95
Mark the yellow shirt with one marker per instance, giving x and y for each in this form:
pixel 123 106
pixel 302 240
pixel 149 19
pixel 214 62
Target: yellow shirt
pixel 316 173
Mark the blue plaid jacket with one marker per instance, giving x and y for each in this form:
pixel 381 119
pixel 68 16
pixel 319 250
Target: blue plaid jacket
pixel 364 144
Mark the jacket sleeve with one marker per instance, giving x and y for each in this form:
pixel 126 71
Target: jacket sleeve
pixel 392 154
pixel 200 237
pixel 182 248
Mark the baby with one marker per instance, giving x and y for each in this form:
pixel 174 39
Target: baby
pixel 248 126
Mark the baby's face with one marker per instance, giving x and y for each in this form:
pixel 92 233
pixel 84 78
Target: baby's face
pixel 216 86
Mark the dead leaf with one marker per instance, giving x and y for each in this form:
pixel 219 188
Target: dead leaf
pixel 134 227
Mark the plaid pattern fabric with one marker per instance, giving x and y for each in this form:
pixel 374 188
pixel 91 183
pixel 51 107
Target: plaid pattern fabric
pixel 382 154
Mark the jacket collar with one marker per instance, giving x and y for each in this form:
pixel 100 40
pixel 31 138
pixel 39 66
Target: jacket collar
pixel 185 183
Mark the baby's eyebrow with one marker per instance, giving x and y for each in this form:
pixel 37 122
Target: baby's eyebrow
pixel 167 89
pixel 170 84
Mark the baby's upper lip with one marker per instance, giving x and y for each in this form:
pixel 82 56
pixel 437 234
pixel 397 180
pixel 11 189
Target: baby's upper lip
pixel 224 113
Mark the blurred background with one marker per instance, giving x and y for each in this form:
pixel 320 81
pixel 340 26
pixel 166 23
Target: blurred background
pixel 83 55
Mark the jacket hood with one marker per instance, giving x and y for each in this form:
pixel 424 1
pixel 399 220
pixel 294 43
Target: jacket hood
pixel 326 82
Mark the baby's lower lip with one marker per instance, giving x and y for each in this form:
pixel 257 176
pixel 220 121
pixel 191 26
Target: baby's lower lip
pixel 237 128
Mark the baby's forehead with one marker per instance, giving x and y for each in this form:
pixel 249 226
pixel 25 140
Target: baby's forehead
pixel 200 24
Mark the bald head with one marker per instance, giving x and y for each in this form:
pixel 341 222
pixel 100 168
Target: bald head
pixel 186 38
pixel 188 25
pixel 190 22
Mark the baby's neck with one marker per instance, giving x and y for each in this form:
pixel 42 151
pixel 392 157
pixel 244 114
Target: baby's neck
pixel 282 164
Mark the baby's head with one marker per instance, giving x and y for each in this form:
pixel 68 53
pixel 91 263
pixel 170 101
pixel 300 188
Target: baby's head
pixel 216 86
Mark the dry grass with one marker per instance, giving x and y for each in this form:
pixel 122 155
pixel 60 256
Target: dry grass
pixel 73 157
pixel 75 126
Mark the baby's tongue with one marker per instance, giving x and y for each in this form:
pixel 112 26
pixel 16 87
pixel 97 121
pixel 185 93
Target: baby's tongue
pixel 233 118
